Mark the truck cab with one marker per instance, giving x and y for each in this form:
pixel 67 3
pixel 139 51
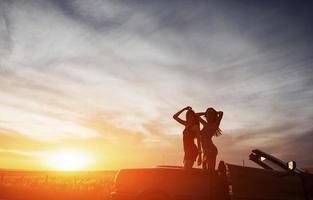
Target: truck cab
pixel 275 180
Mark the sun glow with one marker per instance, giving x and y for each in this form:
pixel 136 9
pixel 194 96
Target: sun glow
pixel 68 160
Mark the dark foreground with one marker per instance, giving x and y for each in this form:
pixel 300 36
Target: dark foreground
pixel 47 185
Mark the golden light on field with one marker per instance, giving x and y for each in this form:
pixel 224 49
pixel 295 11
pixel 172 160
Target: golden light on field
pixel 68 160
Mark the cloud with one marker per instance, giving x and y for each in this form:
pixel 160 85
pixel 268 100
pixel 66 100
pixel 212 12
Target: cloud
pixel 296 147
pixel 16 153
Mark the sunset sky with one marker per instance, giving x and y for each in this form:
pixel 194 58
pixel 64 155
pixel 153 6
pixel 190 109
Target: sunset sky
pixel 103 78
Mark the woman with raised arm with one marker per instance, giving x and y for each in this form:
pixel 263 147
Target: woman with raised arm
pixel 190 133
pixel 210 128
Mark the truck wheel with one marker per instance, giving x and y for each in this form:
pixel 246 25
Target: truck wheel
pixel 154 196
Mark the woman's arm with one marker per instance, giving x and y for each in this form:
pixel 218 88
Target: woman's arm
pixel 176 115
pixel 199 142
pixel 199 160
pixel 200 114
pixel 202 121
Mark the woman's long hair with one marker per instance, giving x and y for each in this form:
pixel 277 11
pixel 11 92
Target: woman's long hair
pixel 191 115
pixel 218 131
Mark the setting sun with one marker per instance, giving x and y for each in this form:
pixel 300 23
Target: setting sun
pixel 68 160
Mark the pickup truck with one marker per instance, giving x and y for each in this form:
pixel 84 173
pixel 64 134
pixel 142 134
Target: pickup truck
pixel 275 180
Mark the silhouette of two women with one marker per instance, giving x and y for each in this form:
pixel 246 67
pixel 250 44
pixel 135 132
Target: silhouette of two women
pixel 192 132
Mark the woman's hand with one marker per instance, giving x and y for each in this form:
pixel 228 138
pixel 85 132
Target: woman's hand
pixel 214 109
pixel 188 108
pixel 220 114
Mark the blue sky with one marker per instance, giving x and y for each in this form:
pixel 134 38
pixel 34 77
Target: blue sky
pixel 114 72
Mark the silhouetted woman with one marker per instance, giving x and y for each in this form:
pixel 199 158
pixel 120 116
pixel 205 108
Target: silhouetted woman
pixel 190 133
pixel 210 128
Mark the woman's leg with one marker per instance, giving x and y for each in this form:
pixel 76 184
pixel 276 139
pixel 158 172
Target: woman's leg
pixel 211 163
pixel 205 162
pixel 188 164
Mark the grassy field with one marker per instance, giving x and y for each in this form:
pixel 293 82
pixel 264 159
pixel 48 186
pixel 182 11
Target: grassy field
pixel 50 185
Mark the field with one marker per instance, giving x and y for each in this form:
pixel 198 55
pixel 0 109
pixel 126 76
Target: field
pixel 50 185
